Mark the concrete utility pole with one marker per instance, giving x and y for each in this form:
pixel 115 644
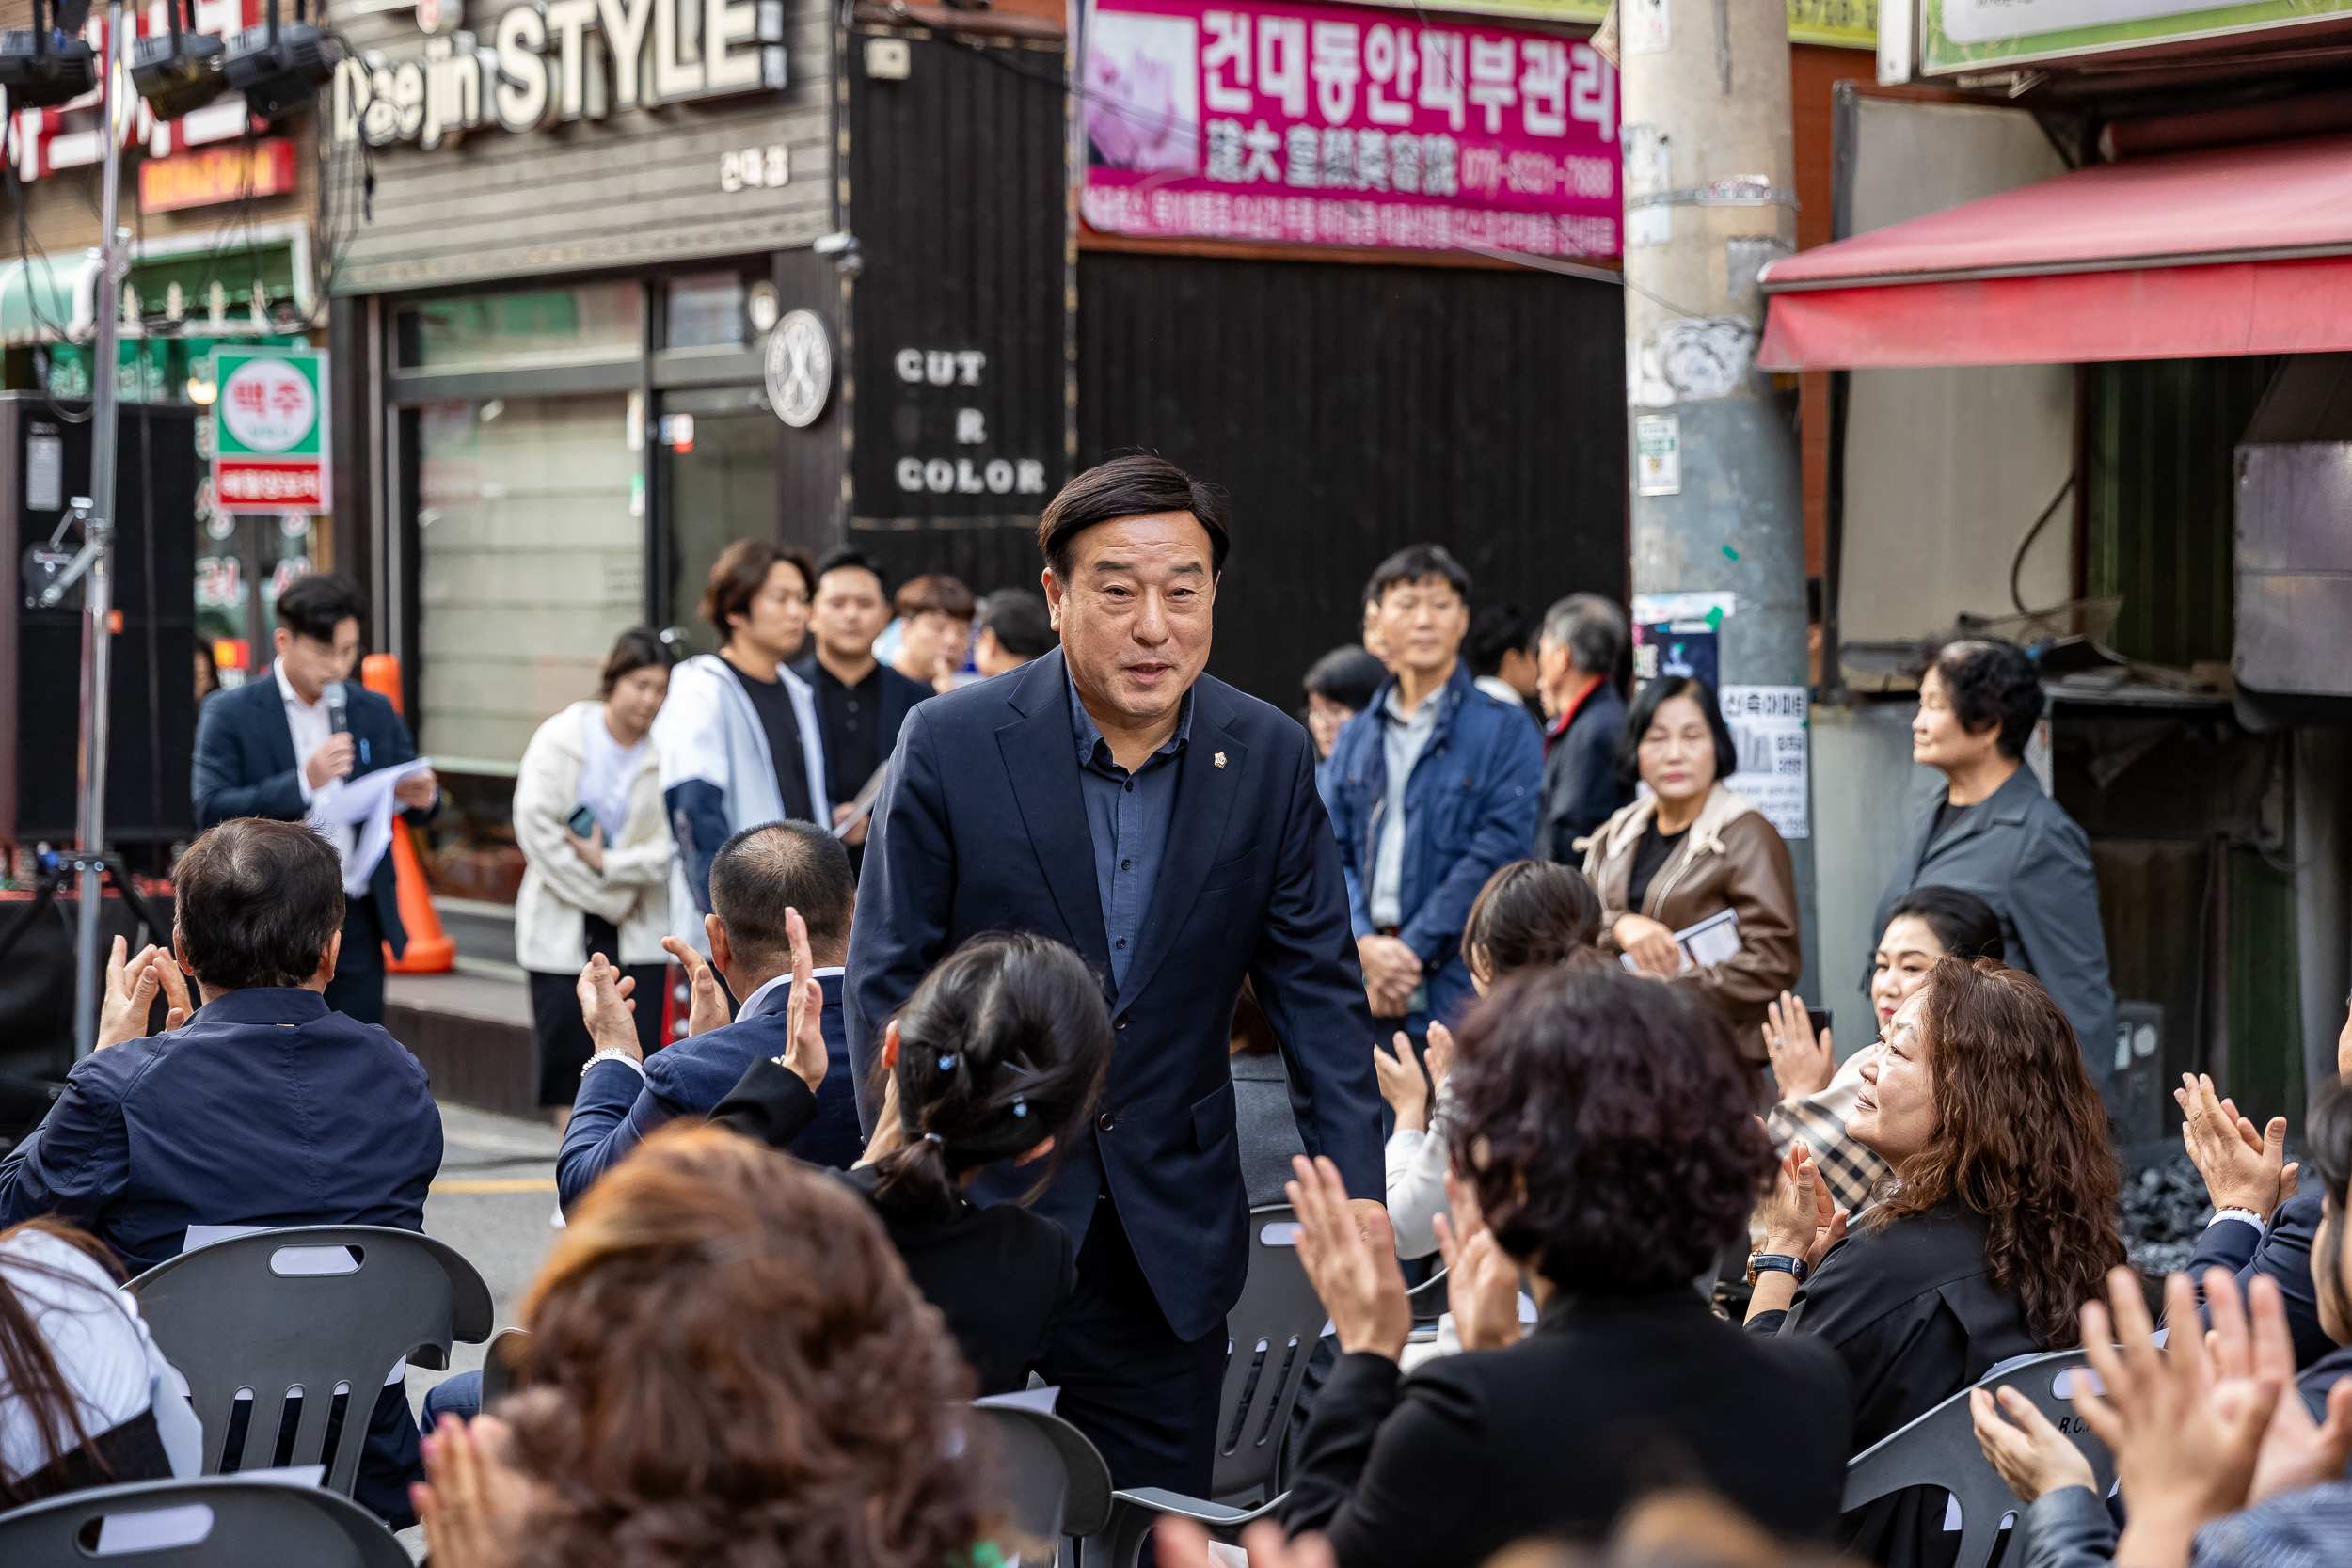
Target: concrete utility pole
pixel 1718 507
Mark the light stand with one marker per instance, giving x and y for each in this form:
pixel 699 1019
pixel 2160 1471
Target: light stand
pixel 98 547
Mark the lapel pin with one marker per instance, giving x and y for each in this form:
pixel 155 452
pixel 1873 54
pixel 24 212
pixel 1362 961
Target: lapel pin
pixel 1219 759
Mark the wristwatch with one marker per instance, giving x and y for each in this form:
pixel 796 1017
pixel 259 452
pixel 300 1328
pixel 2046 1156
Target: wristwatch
pixel 610 1056
pixel 1776 1262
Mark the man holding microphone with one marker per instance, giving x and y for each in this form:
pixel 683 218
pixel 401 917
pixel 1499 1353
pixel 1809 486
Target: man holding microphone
pixel 281 747
pixel 1111 796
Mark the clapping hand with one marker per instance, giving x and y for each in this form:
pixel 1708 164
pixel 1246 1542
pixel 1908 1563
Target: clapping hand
pixel 2297 1451
pixel 1800 1064
pixel 1350 1255
pixel 2243 1167
pixel 470 1501
pixel 607 1008
pixel 132 986
pixel 1402 1085
pixel 1481 1284
pixel 1801 1219
pixel 805 1055
pixel 2033 1456
pixel 707 1009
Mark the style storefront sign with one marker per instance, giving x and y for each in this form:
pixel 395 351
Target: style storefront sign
pixel 567 59
pixel 1338 126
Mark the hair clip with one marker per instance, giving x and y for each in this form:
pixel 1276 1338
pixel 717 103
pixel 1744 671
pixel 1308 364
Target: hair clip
pixel 947 1062
pixel 935 1137
pixel 1020 1106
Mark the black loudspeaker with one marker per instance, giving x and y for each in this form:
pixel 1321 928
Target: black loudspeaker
pixel 45 463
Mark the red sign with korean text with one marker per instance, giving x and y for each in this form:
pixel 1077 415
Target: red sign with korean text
pixel 1328 125
pixel 263 166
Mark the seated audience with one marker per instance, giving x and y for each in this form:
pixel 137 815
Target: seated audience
pixel 262 1109
pixel 86 1399
pixel 1529 914
pixel 725 1365
pixel 756 878
pixel 1605 1147
pixel 2001 1220
pixel 1817 1092
pixel 998 1055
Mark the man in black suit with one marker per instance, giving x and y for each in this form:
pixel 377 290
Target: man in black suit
pixel 1111 796
pixel 1576 669
pixel 273 748
pixel 861 701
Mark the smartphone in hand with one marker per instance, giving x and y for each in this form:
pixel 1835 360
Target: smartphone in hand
pixel 583 822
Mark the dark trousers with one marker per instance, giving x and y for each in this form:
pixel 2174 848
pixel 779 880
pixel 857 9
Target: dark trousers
pixel 564 1043
pixel 1146 1399
pixel 357 988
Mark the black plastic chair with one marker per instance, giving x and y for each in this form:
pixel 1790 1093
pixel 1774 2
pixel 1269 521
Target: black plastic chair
pixel 501 1363
pixel 1940 1448
pixel 1428 1298
pixel 1270 1334
pixel 1057 1485
pixel 228 1320
pixel 218 1522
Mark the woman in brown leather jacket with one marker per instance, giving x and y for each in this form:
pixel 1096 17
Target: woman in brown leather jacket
pixel 1690 848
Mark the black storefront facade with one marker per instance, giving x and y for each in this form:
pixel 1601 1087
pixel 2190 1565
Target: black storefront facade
pixel 585 342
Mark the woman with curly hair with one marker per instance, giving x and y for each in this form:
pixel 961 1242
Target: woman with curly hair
pixel 1604 1145
pixel 725 1365
pixel 1999 1220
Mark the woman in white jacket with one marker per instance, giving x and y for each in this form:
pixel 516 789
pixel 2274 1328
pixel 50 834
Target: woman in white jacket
pixel 606 891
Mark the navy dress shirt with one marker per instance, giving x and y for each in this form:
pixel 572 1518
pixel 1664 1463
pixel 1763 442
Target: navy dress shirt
pixel 1127 817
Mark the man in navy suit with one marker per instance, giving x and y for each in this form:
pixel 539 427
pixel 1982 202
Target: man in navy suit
pixel 861 701
pixel 755 878
pixel 1112 796
pixel 274 748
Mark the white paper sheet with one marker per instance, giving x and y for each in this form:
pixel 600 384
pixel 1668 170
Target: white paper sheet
pixel 366 801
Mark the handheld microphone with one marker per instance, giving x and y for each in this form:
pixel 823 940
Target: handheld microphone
pixel 338 719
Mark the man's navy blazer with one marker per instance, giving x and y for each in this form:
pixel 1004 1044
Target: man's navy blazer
pixel 246 766
pixel 616 1107
pixel 980 827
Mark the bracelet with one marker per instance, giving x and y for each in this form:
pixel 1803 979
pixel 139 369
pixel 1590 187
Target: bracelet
pixel 1776 1262
pixel 2241 1212
pixel 612 1054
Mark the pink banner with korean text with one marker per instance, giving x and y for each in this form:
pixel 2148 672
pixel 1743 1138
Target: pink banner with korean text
pixel 1331 125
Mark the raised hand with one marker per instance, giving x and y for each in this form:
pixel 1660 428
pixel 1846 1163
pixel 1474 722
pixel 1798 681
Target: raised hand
pixel 606 1007
pixel 468 1502
pixel 805 1055
pixel 1402 1085
pixel 1350 1257
pixel 1800 1064
pixel 2251 1344
pixel 1438 1058
pixel 1481 1284
pixel 707 1008
pixel 132 986
pixel 2033 1456
pixel 2243 1168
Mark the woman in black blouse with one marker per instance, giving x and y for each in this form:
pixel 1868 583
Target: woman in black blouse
pixel 1998 1222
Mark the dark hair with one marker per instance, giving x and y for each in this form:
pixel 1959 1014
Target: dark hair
pixel 1644 713
pixel 1346 676
pixel 739 574
pixel 2020 1140
pixel 1963 922
pixel 1002 1046
pixel 1990 682
pixel 315 604
pixel 1609 1122
pixel 1496 631
pixel 2327 1147
pixel 850 558
pixel 1531 912
pixel 1592 629
pixel 1417 564
pixel 1250 1026
pixel 727 1364
pixel 764 870
pixel 1019 619
pixel 638 648
pixel 933 593
pixel 259 902
pixel 1136 485
pixel 28 1367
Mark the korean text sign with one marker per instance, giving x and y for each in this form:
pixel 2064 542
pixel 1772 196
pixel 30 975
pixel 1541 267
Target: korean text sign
pixel 270 444
pixel 1324 124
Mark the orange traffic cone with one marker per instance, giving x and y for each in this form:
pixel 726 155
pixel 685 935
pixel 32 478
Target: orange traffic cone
pixel 430 951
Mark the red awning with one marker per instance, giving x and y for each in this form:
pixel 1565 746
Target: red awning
pixel 2230 251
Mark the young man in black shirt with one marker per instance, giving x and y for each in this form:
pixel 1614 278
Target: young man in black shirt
pixel 859 701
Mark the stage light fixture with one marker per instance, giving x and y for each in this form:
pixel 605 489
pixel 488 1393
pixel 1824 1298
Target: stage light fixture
pixel 279 67
pixel 47 64
pixel 177 72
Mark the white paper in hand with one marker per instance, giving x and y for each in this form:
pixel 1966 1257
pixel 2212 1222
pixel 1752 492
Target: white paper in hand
pixel 368 801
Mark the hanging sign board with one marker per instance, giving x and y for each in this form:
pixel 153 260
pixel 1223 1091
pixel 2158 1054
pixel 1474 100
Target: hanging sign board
pixel 269 426
pixel 1330 125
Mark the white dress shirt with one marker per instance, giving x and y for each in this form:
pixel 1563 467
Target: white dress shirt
pixel 312 729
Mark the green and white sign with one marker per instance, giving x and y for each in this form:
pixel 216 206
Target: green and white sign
pixel 269 430
pixel 1977 35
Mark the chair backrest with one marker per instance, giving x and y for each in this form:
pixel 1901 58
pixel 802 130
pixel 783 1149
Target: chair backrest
pixel 1270 1334
pixel 1056 1481
pixel 1428 1298
pixel 1940 1448
pixel 218 1522
pixel 501 1363
pixel 302 1311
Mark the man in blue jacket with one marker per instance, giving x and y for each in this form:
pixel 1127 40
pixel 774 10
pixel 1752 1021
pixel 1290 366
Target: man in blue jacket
pixel 264 1109
pixel 280 746
pixel 1432 789
pixel 755 878
pixel 1113 797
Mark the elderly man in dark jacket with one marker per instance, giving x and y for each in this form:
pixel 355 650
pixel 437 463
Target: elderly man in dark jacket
pixel 1576 666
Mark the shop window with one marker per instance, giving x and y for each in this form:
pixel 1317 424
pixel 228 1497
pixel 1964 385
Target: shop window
pixel 705 310
pixel 525 330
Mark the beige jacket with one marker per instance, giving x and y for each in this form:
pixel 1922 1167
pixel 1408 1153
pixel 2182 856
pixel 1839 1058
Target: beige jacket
pixel 633 891
pixel 1731 859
